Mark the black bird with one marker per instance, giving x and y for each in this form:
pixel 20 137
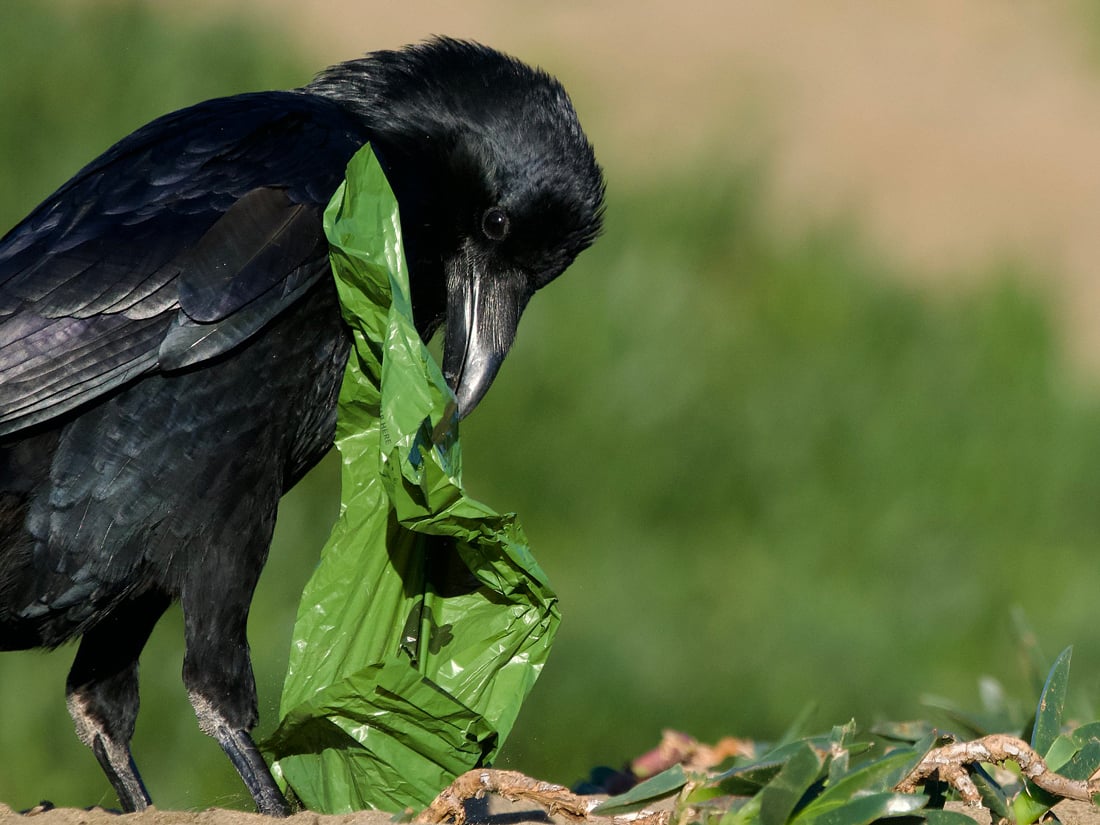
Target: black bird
pixel 171 350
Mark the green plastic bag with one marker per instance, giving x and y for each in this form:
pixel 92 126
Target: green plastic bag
pixel 427 620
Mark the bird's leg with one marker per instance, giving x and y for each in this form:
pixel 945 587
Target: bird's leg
pixel 237 743
pixel 102 692
pixel 217 671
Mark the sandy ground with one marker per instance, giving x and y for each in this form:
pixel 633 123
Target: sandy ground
pixel 492 812
pixel 956 135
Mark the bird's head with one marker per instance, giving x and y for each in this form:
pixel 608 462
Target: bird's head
pixel 498 187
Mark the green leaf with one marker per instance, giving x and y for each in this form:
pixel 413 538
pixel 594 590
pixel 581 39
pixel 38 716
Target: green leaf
pixel 1052 701
pixel 784 751
pixel 864 809
pixel 782 794
pixel 427 619
pixel 743 814
pixel 1084 763
pixel 840 734
pixel 841 750
pixel 664 784
pixel 717 810
pixel 876 777
pixel 700 795
pixel 1061 751
pixel 993 795
pixel 1086 733
pixel 1027 808
pixel 839 765
pixel 940 817
pixel 746 780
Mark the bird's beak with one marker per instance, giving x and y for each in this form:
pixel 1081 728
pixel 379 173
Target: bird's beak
pixel 483 311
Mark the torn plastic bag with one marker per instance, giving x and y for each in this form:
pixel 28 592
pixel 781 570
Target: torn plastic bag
pixel 427 619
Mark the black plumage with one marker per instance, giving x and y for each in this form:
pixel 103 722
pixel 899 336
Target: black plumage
pixel 171 349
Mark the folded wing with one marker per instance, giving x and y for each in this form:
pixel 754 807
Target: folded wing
pixel 172 248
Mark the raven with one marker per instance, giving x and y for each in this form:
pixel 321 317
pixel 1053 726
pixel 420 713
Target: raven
pixel 171 350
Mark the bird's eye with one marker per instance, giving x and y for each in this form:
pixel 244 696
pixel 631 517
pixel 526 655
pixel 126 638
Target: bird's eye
pixel 494 223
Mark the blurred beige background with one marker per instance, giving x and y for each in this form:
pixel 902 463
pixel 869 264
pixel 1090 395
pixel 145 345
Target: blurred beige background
pixel 956 135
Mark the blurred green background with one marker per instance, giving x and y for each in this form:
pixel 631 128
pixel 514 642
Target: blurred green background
pixel 764 463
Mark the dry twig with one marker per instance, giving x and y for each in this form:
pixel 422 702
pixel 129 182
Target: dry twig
pixel 513 786
pixel 950 761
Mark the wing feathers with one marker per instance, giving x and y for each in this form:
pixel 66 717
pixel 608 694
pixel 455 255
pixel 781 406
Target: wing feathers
pixel 260 240
pixel 188 342
pixel 172 247
pixel 51 379
pixel 257 259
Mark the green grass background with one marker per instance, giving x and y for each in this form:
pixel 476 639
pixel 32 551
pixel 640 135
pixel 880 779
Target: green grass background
pixel 758 470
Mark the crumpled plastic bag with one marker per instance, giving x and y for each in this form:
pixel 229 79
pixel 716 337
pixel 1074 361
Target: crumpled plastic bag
pixel 427 619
